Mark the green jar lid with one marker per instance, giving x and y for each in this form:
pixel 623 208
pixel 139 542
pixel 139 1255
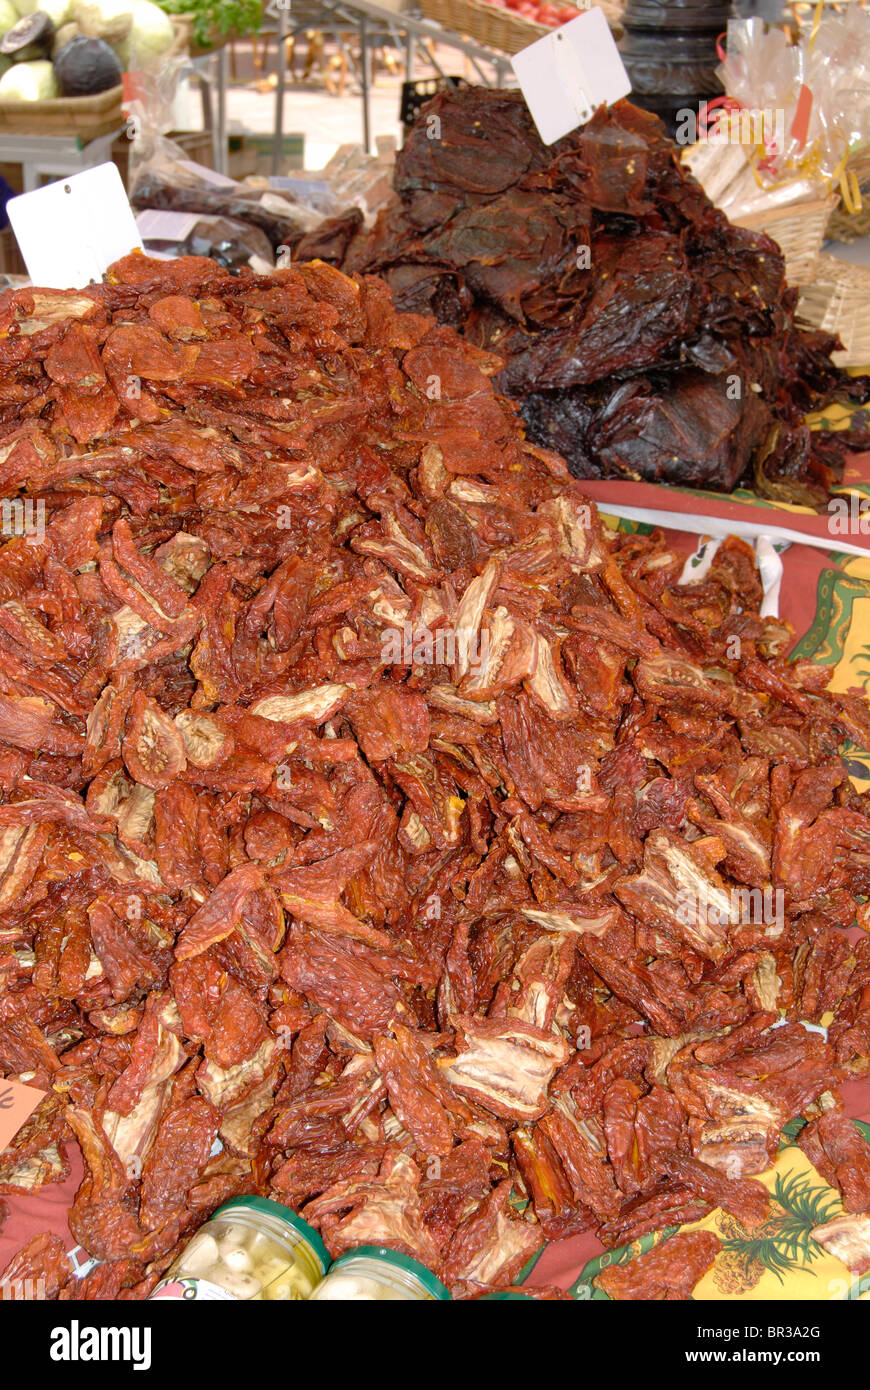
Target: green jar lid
pixel 282 1213
pixel 431 1283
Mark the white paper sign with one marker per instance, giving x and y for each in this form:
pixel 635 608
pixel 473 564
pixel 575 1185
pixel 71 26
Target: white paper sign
pixel 565 75
pixel 70 232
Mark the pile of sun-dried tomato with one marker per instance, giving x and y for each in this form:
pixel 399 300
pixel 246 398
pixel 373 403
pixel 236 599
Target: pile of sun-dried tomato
pixel 372 824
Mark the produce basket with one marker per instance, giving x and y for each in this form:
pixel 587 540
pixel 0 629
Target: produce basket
pixel 612 12
pixel 490 25
pixel 799 229
pixel 182 26
pixel 838 300
pixel 185 45
pixel 85 117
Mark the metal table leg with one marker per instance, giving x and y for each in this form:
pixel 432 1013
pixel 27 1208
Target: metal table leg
pixel 222 78
pixel 278 139
pixel 208 121
pixel 366 83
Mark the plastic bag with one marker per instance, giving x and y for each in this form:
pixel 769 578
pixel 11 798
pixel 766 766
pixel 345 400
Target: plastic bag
pixel 171 182
pixel 232 244
pixel 798 109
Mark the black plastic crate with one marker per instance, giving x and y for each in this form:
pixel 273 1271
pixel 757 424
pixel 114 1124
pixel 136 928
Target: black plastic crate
pixel 415 95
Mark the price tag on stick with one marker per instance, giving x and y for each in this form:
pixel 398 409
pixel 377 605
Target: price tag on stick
pixel 70 232
pixel 565 75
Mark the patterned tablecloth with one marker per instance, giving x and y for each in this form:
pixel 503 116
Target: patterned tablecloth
pixel 824 593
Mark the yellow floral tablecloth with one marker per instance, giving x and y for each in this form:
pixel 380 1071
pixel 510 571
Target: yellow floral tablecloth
pixel 780 1260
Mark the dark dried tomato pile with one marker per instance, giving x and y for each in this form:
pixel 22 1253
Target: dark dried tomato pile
pixel 371 820
pixel 645 336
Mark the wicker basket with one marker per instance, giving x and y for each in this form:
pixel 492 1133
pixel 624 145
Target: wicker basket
pixel 85 117
pixel 184 45
pixel 490 25
pixel 838 300
pixel 612 12
pixel 182 29
pixel 800 230
pixel 496 27
pixel 849 226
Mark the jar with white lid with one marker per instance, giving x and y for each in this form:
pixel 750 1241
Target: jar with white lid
pixel 375 1274
pixel 252 1249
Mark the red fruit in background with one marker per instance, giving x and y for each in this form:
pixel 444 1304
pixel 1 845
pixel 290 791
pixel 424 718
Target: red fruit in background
pixel 566 13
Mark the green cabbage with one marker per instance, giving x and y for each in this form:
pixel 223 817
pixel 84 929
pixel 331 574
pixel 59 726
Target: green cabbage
pixel 28 82
pixel 57 10
pixel 104 19
pixel 151 34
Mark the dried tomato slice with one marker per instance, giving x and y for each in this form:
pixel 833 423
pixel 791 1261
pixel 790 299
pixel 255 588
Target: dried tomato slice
pixel 152 748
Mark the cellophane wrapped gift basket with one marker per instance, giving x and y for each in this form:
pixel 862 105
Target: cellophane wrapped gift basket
pixel 787 152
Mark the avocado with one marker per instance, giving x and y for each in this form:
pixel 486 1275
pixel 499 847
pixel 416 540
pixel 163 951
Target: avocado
pixel 86 66
pixel 30 38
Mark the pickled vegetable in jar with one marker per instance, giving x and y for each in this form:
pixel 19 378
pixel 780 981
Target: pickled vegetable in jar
pixel 375 1274
pixel 251 1248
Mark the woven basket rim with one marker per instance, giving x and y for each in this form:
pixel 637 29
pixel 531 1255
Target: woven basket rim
pixel 56 106
pixel 810 208
pixel 831 270
pixel 486 14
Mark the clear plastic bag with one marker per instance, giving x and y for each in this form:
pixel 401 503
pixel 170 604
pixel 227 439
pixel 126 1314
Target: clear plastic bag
pixel 169 181
pixel 232 244
pixel 805 105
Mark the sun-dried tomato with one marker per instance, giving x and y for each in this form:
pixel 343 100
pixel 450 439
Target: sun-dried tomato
pixel 153 749
pixel 669 1271
pixel 415 927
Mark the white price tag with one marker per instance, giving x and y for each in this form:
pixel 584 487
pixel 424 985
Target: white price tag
pixel 70 232
pixel 565 75
pixel 156 225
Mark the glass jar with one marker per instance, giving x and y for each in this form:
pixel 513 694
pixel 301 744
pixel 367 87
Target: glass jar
pixel 251 1248
pixel 376 1274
